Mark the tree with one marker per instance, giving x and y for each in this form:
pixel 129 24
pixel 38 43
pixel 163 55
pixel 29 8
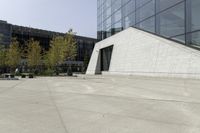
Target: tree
pixel 55 55
pixel 13 56
pixel 71 45
pixel 33 54
pixel 61 49
pixel 2 54
pixel 1 36
pixel 2 57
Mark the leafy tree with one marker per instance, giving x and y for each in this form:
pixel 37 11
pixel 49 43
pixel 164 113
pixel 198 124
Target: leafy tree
pixel 55 55
pixel 61 49
pixel 1 36
pixel 2 53
pixel 13 56
pixel 71 45
pixel 33 54
pixel 2 56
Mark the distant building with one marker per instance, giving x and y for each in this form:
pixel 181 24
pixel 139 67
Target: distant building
pixel 85 45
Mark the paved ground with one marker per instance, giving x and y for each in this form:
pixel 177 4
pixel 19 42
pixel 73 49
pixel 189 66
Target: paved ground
pixel 97 104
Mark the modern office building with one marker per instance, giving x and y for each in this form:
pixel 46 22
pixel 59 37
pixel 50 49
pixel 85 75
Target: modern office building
pixel 175 19
pixel 23 34
pixel 147 37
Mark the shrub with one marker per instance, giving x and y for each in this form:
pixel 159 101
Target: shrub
pixel 48 72
pixel 30 75
pixel 23 76
pixel 12 76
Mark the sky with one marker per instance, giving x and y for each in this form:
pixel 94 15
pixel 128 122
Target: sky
pixel 54 15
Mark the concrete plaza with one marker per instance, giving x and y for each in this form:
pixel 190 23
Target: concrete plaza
pixel 100 104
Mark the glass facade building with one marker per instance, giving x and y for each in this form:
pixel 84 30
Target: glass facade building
pixel 5 33
pixel 85 45
pixel 178 20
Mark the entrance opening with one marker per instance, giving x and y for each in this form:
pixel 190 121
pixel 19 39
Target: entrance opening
pixel 106 54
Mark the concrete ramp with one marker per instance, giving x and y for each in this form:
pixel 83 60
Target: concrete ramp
pixel 136 52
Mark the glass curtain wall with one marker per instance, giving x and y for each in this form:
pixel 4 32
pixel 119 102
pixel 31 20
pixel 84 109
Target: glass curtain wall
pixel 174 19
pixel 5 33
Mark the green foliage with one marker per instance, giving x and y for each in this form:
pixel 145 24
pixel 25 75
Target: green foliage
pixel 71 45
pixel 2 56
pixel 13 56
pixel 1 36
pixel 55 55
pixel 33 53
pixel 48 72
pixel 61 48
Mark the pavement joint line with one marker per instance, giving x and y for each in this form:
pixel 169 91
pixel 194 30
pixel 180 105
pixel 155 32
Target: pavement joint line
pixel 56 107
pixel 133 98
pixel 35 90
pixel 23 101
pixel 155 83
pixel 149 78
pixel 12 87
pixel 123 106
pixel 138 87
pixel 131 117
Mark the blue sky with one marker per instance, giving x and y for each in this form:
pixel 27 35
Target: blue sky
pixel 55 15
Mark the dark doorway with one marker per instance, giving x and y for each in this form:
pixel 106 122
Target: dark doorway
pixel 106 54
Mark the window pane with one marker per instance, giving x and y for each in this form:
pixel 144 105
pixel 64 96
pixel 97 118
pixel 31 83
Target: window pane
pixel 117 27
pixel 140 3
pixel 116 4
pixel 145 11
pixel 108 32
pixel 195 38
pixel 180 38
pixel 148 25
pixel 126 1
pixel 163 4
pixel 107 23
pixel 195 14
pixel 129 20
pixel 117 16
pixel 172 21
pixel 129 8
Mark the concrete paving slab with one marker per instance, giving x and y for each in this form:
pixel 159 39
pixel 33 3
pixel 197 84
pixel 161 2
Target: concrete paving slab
pixel 100 104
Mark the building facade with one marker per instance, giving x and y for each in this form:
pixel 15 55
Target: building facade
pixel 5 33
pixel 85 45
pixel 174 19
pixel 149 38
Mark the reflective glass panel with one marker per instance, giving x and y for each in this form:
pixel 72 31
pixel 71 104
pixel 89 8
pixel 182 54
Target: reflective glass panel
pixel 195 7
pixel 148 25
pixel 172 21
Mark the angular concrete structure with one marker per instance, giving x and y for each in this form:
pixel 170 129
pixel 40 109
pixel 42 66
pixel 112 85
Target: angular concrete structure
pixel 136 52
